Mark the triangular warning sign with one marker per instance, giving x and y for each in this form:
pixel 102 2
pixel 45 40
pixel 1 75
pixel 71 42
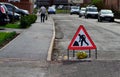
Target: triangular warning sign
pixel 81 40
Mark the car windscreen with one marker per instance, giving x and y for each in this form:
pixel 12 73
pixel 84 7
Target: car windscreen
pixel 92 9
pixel 74 7
pixel 83 9
pixel 106 12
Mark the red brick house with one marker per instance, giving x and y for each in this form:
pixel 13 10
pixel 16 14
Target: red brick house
pixel 112 4
pixel 56 2
pixel 23 4
pixel 87 1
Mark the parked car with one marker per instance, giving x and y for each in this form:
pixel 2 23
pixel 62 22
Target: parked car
pixel 51 10
pixel 82 12
pixel 91 11
pixel 60 6
pixel 12 8
pixel 4 19
pixel 14 16
pixel 105 14
pixel 74 10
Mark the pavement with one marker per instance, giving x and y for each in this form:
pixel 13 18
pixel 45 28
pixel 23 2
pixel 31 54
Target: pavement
pixel 33 44
pixel 28 55
pixel 117 20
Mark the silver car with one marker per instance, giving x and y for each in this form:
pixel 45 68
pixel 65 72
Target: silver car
pixel 106 14
pixel 82 12
pixel 74 10
pixel 91 12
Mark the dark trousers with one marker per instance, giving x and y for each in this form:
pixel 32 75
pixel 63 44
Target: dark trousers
pixel 42 17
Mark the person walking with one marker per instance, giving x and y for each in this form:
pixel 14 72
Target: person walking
pixel 42 13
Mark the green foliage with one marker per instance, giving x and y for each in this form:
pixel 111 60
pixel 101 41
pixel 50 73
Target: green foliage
pixel 26 21
pixel 11 25
pixel 98 3
pixel 62 11
pixel 35 11
pixel 4 36
pixel 117 14
pixel 15 25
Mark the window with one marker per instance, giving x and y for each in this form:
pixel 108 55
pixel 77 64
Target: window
pixel 13 0
pixel 9 7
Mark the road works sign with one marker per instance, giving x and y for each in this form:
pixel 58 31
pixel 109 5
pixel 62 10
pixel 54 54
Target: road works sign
pixel 81 40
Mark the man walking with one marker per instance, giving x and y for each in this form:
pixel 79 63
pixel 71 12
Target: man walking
pixel 42 13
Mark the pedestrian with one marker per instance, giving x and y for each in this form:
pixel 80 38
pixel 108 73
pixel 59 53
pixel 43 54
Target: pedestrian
pixel 42 13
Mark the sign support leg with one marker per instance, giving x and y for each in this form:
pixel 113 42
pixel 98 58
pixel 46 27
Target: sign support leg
pixel 96 53
pixel 73 53
pixel 89 53
pixel 68 53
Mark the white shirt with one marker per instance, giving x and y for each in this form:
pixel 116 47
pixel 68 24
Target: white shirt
pixel 42 10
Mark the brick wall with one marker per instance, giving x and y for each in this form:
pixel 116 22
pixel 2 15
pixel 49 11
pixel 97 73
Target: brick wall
pixel 113 4
pixel 87 1
pixel 24 5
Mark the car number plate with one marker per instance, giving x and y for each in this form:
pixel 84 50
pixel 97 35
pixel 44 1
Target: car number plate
pixel 107 18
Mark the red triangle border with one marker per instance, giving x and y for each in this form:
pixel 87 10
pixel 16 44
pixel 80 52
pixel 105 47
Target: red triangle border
pixel 70 47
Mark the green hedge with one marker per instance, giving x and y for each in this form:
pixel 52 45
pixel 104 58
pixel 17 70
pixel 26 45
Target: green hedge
pixel 35 11
pixel 117 14
pixel 26 21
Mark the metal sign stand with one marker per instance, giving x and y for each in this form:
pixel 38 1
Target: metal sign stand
pixel 89 53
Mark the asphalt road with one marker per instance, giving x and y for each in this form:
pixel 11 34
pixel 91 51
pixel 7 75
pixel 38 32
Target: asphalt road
pixel 105 35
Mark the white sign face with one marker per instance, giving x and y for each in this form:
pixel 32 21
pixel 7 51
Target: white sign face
pixel 75 1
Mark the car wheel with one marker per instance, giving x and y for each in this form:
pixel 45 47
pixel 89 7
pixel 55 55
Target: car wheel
pixel 112 20
pixel 80 16
pixel 86 17
pixel 99 19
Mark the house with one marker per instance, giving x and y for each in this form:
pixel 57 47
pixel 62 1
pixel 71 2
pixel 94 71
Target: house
pixel 87 1
pixel 40 3
pixel 112 4
pixel 60 2
pixel 23 4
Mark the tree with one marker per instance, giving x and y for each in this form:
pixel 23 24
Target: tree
pixel 98 3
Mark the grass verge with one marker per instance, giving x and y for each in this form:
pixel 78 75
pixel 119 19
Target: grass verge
pixel 6 37
pixel 62 11
pixel 15 25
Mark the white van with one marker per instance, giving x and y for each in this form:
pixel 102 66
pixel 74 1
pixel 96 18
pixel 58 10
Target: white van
pixel 91 12
pixel 74 10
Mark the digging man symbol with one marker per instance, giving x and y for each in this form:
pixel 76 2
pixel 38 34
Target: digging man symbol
pixel 82 39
